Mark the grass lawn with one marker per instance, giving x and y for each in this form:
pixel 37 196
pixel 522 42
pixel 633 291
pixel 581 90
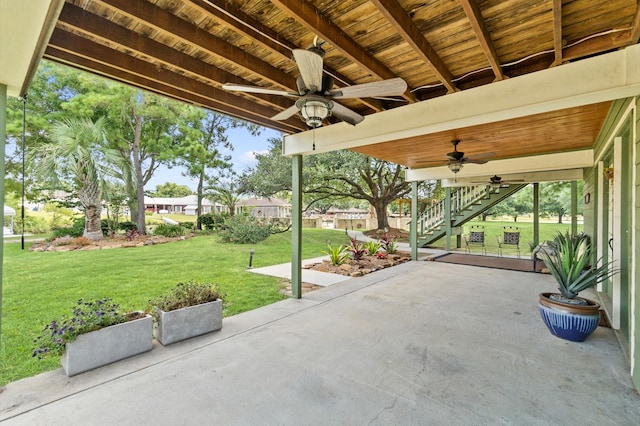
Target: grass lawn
pixel 494 229
pixel 41 287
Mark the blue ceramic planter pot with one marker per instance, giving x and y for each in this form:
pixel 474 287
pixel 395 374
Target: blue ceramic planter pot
pixel 569 322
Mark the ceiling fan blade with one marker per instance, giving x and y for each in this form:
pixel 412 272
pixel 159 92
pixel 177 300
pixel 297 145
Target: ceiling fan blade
pixel 310 66
pixel 256 89
pixel 345 114
pixel 283 115
pixel 482 155
pixel 472 161
pixel 391 87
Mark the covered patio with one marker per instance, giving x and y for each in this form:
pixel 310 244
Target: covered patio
pixel 419 343
pixel 552 91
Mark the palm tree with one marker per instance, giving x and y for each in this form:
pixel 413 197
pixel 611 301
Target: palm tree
pixel 225 192
pixel 78 155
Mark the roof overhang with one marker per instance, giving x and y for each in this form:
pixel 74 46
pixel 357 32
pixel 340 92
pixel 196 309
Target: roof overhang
pixel 25 28
pixel 603 78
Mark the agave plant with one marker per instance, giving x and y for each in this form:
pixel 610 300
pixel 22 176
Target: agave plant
pixel 338 255
pixel 569 263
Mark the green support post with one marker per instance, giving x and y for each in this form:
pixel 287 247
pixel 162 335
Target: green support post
pixel 413 227
pixel 447 218
pixel 574 207
pixel 3 138
pixel 296 226
pixel 536 214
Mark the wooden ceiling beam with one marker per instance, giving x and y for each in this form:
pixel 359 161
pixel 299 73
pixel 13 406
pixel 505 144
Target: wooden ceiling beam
pixel 82 21
pixel 635 27
pixel 479 27
pixel 404 25
pixel 164 21
pixel 85 64
pixel 557 32
pixel 260 33
pixel 599 44
pixel 106 59
pixel 314 21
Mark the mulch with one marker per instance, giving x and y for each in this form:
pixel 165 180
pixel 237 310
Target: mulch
pixel 523 265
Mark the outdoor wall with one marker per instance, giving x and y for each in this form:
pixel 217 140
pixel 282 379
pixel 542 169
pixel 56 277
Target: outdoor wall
pixel 622 124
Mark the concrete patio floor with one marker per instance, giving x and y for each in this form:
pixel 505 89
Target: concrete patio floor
pixel 419 343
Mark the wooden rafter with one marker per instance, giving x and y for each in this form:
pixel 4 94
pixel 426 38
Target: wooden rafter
pixel 155 17
pixel 635 27
pixel 479 27
pixel 596 45
pixel 557 32
pixel 313 20
pixel 79 20
pixel 253 29
pixel 139 73
pixel 405 26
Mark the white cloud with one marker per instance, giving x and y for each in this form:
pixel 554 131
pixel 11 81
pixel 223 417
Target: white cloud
pixel 249 158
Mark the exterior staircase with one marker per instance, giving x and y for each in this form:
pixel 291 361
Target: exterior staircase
pixel 466 203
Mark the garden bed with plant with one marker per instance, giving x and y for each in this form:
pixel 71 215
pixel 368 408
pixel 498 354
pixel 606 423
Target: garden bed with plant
pixel 82 243
pixel 359 258
pixel 357 268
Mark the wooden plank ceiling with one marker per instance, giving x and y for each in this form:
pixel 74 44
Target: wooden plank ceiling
pixel 186 49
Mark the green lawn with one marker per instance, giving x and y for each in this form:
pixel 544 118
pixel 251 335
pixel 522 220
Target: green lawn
pixel 41 287
pixel 494 229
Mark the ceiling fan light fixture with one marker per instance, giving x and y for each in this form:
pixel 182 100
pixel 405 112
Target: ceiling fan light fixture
pixel 314 110
pixel 454 166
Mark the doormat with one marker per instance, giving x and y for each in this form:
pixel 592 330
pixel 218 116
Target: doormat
pixel 523 265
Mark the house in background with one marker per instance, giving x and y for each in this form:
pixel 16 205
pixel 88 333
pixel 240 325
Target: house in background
pixel 182 205
pixel 348 213
pixel 264 207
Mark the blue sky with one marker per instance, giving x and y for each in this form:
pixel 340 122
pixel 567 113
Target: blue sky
pixel 245 145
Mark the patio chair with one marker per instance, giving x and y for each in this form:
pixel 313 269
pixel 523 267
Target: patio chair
pixel 510 237
pixel 475 237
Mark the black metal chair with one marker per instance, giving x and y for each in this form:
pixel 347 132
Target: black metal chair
pixel 510 237
pixel 475 237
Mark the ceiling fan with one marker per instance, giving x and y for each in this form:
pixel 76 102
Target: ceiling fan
pixel 457 158
pixel 496 182
pixel 316 93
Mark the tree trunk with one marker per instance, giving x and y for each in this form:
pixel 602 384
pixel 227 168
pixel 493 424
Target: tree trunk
pixel 381 213
pixel 90 195
pixel 137 165
pixel 92 228
pixel 199 207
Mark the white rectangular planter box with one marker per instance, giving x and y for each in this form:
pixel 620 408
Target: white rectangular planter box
pixel 107 345
pixel 185 323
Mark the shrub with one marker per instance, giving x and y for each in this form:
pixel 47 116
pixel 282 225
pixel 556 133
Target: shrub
pixel 337 255
pixel 213 221
pixel 75 230
pixel 244 229
pixel 184 295
pixel 188 225
pixel 127 226
pixel 356 249
pixel 33 225
pixel 87 317
pixel 372 247
pixel 388 243
pixel 166 230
